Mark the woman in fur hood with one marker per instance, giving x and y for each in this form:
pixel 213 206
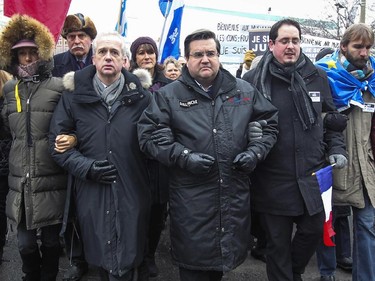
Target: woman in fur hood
pixel 37 185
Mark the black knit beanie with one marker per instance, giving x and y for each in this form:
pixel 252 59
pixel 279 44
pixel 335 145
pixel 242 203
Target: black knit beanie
pixel 324 52
pixel 140 41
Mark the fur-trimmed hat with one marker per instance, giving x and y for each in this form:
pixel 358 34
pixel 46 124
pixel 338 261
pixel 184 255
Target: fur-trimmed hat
pixel 79 22
pixel 25 28
pixel 140 41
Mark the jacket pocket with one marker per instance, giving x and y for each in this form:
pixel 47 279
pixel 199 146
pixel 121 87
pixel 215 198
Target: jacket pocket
pixel 340 179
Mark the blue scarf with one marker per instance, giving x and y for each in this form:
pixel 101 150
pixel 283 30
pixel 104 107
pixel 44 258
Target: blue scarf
pixel 346 88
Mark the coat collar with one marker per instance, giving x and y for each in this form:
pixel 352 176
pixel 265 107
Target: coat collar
pixel 69 59
pixel 80 82
pixel 228 83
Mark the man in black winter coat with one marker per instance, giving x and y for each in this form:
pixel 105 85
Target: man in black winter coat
pixel 198 127
pixel 79 31
pixel 284 192
pixel 111 185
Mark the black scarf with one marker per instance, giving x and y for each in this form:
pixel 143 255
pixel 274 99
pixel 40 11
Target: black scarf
pixel 290 74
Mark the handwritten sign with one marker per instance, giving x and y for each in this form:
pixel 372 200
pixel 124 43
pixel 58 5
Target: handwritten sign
pixel 234 39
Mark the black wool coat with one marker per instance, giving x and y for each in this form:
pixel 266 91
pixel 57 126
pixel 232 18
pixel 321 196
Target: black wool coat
pixel 113 218
pixel 283 184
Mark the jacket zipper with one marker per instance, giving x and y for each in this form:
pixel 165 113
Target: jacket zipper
pixel 28 122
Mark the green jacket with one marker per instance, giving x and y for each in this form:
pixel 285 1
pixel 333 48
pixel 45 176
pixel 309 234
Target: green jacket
pixel 350 182
pixel 37 185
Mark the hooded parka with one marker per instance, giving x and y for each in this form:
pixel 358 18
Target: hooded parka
pixel 113 218
pixel 209 214
pixel 37 185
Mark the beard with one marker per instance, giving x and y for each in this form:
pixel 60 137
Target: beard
pixel 360 62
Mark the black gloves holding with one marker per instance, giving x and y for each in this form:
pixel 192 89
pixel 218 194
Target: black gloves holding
pixel 335 121
pixel 255 130
pixel 195 162
pixel 245 162
pixel 162 136
pixel 103 172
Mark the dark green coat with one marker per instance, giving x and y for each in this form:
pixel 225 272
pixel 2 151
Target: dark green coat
pixel 36 183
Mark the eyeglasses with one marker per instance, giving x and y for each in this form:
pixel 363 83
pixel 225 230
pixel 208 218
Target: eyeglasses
pixel 286 41
pixel 72 37
pixel 199 55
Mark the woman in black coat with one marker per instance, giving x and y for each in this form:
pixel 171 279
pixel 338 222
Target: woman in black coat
pixel 144 54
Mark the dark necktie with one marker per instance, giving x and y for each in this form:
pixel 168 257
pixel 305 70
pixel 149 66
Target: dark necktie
pixel 81 64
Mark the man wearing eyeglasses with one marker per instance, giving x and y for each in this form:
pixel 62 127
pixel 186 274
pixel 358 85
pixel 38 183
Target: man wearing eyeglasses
pixel 284 193
pixel 79 31
pixel 198 127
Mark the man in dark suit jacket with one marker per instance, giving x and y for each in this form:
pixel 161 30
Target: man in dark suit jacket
pixel 79 31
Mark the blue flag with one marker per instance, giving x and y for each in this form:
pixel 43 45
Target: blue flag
pixel 346 89
pixel 122 22
pixel 165 6
pixel 170 39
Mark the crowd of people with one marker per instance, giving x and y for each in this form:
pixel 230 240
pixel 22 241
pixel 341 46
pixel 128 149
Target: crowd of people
pixel 100 146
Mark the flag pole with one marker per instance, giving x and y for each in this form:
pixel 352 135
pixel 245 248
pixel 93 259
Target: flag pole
pixel 119 18
pixel 165 22
pixel 332 165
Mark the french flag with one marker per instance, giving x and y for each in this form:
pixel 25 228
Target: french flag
pixel 324 177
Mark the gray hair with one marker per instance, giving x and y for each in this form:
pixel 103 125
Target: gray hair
pixel 111 36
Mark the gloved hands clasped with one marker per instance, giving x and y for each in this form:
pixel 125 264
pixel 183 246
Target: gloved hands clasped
pixel 103 172
pixel 245 161
pixel 196 162
pixel 255 130
pixel 162 136
pixel 338 159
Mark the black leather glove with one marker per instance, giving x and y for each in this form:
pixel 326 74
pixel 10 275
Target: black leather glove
pixel 103 172
pixel 196 162
pixel 335 121
pixel 245 161
pixel 162 136
pixel 255 130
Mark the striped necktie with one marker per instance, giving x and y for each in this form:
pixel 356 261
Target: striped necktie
pixel 81 64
